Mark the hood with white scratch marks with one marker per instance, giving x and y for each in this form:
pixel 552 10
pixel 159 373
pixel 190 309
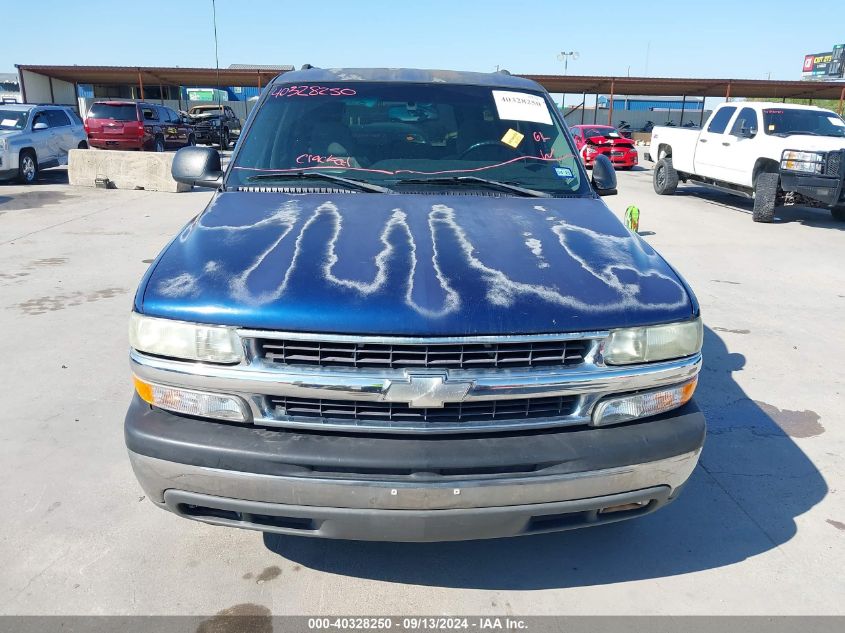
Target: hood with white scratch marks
pixel 411 265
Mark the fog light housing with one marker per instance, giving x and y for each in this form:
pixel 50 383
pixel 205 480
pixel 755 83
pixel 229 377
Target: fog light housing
pixel 618 409
pixel 190 402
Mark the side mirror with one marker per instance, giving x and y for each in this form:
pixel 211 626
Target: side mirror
pixel 40 125
pixel 198 166
pixel 604 176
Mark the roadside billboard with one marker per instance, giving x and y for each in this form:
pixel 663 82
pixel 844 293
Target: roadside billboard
pixel 827 65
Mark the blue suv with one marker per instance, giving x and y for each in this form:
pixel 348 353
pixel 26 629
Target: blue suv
pixel 406 314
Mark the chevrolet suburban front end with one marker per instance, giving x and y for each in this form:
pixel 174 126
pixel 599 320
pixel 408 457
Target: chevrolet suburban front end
pixel 407 315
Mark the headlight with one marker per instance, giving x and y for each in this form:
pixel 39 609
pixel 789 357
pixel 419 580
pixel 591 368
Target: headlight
pixel 656 342
pixel 188 341
pixel 215 122
pixel 804 162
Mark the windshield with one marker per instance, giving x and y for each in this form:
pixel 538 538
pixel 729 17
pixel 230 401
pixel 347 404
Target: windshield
pixel 601 131
pixel 794 121
pixel 387 133
pixel 114 111
pixel 201 110
pixel 13 119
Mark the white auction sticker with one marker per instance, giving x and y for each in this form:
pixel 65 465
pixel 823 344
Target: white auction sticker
pixel 9 122
pixel 521 106
pixel 836 121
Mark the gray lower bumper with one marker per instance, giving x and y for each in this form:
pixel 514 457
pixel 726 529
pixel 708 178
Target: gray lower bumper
pixel 372 510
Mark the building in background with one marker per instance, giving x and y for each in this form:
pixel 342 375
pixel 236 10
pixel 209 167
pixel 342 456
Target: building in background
pixel 640 102
pixel 10 88
pixel 169 92
pixel 176 87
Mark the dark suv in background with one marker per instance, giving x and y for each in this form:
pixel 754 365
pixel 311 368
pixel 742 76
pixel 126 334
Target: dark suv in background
pixel 215 124
pixel 131 125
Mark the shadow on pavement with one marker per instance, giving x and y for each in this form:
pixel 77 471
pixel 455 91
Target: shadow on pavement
pixel 54 176
pixel 742 500
pixel 808 216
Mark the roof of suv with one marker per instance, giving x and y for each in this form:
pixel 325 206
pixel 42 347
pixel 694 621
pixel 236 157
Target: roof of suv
pixel 408 75
pixel 777 105
pixel 25 107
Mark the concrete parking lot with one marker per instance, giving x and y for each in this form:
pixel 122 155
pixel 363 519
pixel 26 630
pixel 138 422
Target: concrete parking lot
pixel 759 530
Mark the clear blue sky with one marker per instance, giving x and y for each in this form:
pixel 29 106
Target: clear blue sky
pixel 717 38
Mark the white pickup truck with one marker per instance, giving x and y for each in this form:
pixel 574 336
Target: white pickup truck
pixel 775 153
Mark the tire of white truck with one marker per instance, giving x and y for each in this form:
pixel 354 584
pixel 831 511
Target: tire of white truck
pixel 838 213
pixel 765 193
pixel 665 178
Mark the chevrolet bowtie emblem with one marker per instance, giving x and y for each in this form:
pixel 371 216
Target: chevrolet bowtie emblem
pixel 426 390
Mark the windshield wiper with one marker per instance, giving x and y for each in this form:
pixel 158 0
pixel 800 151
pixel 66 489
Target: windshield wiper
pixel 315 175
pixel 475 181
pixel 806 132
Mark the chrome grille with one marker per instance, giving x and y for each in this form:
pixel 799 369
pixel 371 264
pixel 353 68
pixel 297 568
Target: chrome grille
pixel 496 355
pixel 398 412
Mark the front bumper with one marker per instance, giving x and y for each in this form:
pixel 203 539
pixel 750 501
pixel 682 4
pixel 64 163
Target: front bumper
pixel 827 188
pixel 410 488
pixel 8 164
pixel 627 159
pixel 208 135
pixel 117 143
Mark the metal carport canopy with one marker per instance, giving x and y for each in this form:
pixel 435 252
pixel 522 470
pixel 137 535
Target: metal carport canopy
pixel 153 75
pixel 656 86
pixel 691 87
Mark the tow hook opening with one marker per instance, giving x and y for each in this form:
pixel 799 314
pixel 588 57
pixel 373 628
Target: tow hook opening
pixel 624 507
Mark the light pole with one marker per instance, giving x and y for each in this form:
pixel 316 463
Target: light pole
pixel 216 58
pixel 564 56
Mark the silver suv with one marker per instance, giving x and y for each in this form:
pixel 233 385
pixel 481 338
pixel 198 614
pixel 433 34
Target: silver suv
pixel 34 137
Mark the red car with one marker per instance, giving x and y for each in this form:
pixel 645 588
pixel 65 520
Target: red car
pixel 592 140
pixel 136 125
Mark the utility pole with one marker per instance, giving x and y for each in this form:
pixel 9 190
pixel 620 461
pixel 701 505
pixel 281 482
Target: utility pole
pixel 216 58
pixel 564 56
